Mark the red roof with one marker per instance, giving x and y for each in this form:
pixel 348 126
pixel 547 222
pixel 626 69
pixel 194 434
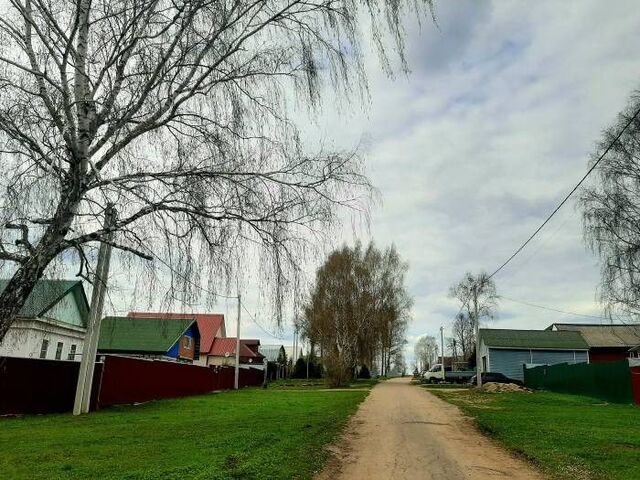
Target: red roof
pixel 227 347
pixel 209 324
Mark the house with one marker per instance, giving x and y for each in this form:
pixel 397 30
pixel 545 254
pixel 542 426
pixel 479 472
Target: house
pixel 276 360
pixel 51 324
pixel 158 338
pixel 507 351
pixel 210 325
pixel 223 352
pixel 607 342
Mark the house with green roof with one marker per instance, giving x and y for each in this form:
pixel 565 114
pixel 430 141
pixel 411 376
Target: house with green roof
pixel 172 339
pixel 509 351
pixel 51 324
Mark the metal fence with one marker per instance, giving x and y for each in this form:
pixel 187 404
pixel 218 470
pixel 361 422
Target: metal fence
pixel 607 381
pixel 48 386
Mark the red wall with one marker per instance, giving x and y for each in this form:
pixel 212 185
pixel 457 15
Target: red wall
pixel 602 355
pixel 635 383
pixel 132 380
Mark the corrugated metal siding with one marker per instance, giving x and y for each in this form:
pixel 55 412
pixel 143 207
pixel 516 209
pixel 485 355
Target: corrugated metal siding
pixel 551 357
pixel 510 362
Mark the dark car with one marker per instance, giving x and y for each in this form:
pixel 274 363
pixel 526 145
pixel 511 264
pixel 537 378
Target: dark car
pixel 494 377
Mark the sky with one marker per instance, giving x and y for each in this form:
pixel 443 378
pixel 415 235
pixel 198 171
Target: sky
pixel 470 150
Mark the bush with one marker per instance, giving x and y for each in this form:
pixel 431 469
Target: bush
pixel 364 372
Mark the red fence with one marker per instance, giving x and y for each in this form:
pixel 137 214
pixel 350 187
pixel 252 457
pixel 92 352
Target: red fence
pixel 29 385
pixel 46 386
pixel 131 380
pixel 635 383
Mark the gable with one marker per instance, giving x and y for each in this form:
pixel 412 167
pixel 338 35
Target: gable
pixel 66 310
pixel 47 293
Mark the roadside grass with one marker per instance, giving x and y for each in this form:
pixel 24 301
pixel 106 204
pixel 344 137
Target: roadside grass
pixel 444 386
pixel 318 383
pixel 567 436
pixel 250 434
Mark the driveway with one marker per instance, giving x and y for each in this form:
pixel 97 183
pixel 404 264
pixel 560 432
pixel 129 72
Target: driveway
pixel 402 431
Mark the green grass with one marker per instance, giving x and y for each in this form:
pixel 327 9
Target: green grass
pixel 567 436
pixel 249 434
pixel 318 383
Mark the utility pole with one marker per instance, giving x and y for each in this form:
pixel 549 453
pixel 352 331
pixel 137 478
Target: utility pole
pixel 442 348
pixel 477 331
pixel 236 383
pixel 87 363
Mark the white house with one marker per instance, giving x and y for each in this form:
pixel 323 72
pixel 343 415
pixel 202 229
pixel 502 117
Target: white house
pixel 52 323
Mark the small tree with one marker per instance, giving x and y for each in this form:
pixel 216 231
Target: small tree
pixel 478 296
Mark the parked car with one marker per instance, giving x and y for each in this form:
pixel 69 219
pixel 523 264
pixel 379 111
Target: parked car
pixel 495 377
pixel 434 375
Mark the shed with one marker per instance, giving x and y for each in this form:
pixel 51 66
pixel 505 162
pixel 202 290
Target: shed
pixel 508 351
pixel 607 342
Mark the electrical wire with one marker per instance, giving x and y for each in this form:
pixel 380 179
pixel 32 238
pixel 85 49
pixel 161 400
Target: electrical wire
pixel 566 198
pixel 557 310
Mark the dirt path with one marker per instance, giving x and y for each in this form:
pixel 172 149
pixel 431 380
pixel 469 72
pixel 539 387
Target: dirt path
pixel 404 432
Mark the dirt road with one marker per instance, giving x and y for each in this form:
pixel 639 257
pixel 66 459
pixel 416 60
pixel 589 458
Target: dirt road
pixel 403 432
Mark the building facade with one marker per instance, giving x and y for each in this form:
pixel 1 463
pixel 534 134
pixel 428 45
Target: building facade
pixel 155 338
pixel 509 351
pixel 52 323
pixel 607 342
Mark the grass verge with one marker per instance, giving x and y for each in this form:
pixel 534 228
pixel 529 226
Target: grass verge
pixel 249 434
pixel 567 436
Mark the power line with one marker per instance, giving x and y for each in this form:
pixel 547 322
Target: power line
pixel 566 198
pixel 232 297
pixel 253 319
pixel 557 310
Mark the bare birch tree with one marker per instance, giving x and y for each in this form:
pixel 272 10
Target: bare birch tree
pixel 611 213
pixel 175 112
pixel 358 310
pixel 425 350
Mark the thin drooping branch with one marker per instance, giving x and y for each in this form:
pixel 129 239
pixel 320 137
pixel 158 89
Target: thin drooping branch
pixel 178 113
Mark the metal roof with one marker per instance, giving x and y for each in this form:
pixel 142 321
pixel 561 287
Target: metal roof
pixel 541 339
pixel 271 352
pixel 142 335
pixel 209 324
pixel 227 347
pixel 47 293
pixel 603 335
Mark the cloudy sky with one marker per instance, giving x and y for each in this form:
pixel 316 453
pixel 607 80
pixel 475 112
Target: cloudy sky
pixel 492 127
pixel 477 144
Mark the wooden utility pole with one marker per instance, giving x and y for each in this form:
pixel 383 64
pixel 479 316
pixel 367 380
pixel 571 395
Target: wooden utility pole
pixel 236 383
pixel 477 332
pixel 442 354
pixel 87 363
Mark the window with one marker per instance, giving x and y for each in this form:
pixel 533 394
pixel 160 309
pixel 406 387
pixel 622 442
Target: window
pixel 187 343
pixel 59 351
pixel 44 348
pixel 72 353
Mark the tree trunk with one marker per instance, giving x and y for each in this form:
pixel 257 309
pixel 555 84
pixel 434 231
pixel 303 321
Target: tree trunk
pixel 14 296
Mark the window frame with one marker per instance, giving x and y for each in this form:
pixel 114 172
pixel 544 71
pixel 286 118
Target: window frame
pixel 73 349
pixel 59 349
pixel 44 349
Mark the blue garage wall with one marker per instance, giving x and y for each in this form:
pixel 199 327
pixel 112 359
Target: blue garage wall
pixel 510 362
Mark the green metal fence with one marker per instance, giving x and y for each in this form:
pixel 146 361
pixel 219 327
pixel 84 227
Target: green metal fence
pixel 608 381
